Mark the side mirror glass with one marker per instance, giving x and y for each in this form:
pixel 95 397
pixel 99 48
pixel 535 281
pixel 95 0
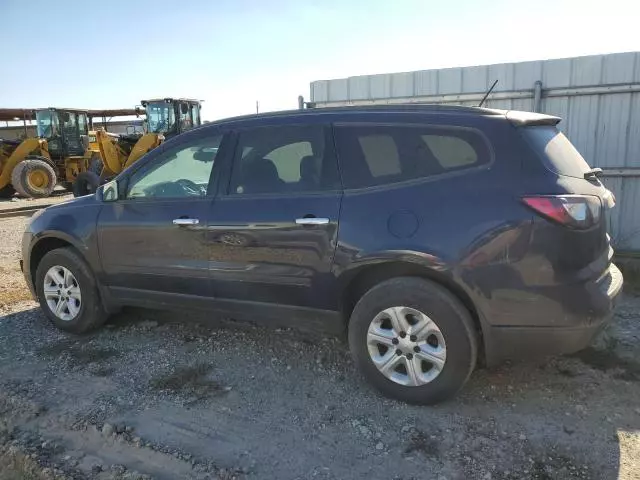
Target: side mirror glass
pixel 110 191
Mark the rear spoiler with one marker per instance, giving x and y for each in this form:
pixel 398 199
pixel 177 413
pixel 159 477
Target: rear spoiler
pixel 526 119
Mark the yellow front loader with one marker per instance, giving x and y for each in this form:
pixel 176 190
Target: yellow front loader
pixel 33 166
pixel 165 117
pixel 64 150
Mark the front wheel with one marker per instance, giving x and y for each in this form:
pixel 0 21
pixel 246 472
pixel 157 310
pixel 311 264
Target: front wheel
pixel 413 340
pixel 68 293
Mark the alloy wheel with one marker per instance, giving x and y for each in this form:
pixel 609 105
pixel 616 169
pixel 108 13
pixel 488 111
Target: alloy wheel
pixel 62 293
pixel 406 346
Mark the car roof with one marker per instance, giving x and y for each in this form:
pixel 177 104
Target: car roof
pixel 516 117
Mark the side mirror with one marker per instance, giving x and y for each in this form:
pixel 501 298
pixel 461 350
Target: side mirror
pixel 110 191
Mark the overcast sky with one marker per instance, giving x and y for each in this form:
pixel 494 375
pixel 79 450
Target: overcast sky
pixel 88 54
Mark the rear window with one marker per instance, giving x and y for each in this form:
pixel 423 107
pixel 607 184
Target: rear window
pixel 373 155
pixel 557 152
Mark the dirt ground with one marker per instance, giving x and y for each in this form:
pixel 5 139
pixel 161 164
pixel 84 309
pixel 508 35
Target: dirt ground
pixel 158 395
pixel 59 195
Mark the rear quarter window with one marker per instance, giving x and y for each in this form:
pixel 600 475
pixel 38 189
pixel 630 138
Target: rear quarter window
pixel 556 151
pixel 372 155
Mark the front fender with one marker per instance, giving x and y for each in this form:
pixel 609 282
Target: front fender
pixel 73 223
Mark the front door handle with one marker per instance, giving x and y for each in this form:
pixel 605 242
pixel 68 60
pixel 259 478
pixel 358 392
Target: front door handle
pixel 186 221
pixel 312 221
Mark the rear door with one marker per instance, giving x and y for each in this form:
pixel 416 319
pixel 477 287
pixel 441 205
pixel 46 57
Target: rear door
pixel 153 241
pixel 273 234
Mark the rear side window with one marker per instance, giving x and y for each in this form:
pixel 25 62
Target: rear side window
pixel 283 159
pixel 373 155
pixel 557 152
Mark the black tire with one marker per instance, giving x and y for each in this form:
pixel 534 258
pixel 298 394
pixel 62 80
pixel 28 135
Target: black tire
pixel 451 317
pixel 22 178
pixel 91 314
pixel 7 191
pixel 86 184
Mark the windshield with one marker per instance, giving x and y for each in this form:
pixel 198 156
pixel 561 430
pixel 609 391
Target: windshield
pixel 47 121
pixel 160 117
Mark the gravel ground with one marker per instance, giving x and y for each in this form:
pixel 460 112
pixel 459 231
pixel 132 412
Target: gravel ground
pixel 171 395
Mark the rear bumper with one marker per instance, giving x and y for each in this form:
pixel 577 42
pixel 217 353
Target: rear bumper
pixel 520 342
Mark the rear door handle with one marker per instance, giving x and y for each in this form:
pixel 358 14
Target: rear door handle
pixel 186 221
pixel 312 221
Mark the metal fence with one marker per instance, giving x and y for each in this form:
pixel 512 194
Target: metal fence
pixel 597 96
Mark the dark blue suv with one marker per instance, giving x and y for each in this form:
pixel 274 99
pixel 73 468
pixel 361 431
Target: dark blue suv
pixel 437 236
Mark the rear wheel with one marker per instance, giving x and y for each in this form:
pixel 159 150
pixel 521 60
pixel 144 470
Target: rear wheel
pixel 413 340
pixel 68 293
pixel 34 178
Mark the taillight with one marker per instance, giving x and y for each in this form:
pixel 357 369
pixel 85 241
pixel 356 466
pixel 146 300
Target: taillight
pixel 575 211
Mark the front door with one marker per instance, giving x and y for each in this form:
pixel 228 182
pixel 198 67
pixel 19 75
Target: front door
pixel 272 236
pixel 152 242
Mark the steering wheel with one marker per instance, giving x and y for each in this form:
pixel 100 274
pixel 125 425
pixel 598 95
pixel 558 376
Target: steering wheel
pixel 189 186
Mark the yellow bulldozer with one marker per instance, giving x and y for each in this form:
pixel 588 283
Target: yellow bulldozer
pixel 165 118
pixel 61 151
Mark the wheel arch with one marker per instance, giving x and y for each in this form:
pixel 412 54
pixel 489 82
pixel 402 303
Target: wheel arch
pixel 47 243
pixel 358 280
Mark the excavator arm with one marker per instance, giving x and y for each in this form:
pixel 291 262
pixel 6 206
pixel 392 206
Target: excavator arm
pixel 147 142
pixel 115 158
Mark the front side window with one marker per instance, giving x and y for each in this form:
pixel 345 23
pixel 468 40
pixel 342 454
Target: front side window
pixel 160 117
pixel 180 172
pixel 379 154
pixel 282 159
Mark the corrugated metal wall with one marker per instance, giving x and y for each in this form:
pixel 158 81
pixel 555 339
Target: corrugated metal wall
pixel 597 96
